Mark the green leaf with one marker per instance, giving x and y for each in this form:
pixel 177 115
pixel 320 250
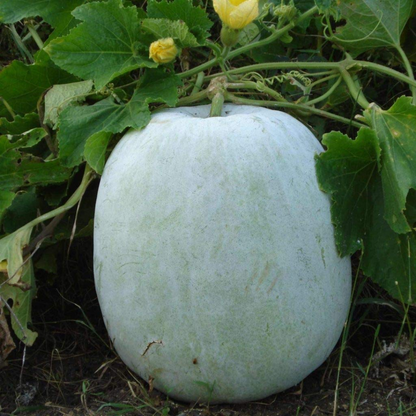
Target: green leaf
pixel 389 257
pixel 61 96
pixel 77 124
pixel 248 34
pixel 22 85
pixel 11 11
pixel 372 24
pixel 177 30
pixel 23 210
pixel 6 199
pixel 20 286
pixel 18 169
pixel 56 13
pixel 396 131
pixel 411 208
pixel 95 148
pixel 195 18
pixel 20 124
pixel 347 171
pixel 107 44
pixel 22 304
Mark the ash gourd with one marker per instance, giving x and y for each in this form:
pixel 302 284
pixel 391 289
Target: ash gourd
pixel 215 260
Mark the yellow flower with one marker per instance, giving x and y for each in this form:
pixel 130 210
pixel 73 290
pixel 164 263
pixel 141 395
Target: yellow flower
pixel 237 14
pixel 163 51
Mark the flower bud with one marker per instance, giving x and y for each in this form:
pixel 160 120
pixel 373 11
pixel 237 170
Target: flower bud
pixel 163 51
pixel 237 14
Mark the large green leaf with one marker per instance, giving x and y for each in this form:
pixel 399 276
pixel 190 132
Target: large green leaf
pixel 389 257
pixel 23 210
pixel 348 171
pixel 164 28
pixel 372 23
pixel 6 199
pixel 56 13
pixel 20 124
pixel 105 45
pixel 19 169
pixel 61 96
pixel 195 18
pixel 396 131
pixel 95 148
pixel 77 124
pixel 22 85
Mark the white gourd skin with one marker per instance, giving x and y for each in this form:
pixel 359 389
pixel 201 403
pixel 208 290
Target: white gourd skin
pixel 214 243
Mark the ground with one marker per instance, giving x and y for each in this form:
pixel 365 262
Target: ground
pixel 71 370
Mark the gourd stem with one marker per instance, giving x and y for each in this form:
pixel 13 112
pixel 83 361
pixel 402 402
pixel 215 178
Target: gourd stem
pixel 409 70
pixel 274 104
pixel 321 65
pixel 327 94
pixel 216 105
pixel 198 83
pixel 19 43
pixel 355 91
pixel 35 35
pixel 250 85
pixel 194 98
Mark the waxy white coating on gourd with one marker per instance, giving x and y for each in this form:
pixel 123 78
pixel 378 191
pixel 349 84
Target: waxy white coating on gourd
pixel 215 260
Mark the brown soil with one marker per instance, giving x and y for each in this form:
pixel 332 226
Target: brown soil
pixel 71 371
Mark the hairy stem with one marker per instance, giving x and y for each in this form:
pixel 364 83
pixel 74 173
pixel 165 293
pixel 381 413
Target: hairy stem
pixel 250 85
pixel 198 83
pixel 274 104
pixel 356 92
pixel 327 94
pixel 35 35
pixel 216 106
pixel 74 198
pixel 409 70
pixel 347 63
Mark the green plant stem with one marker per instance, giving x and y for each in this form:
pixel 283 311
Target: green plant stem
pixel 225 52
pixel 409 70
pixel 21 46
pixel 321 65
pixel 216 105
pixel 8 107
pixel 198 83
pixel 199 96
pixel 327 94
pixel 35 35
pixel 321 80
pixel 255 86
pixel 246 48
pixel 247 101
pixel 356 93
pixel 74 198
pixel 280 65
